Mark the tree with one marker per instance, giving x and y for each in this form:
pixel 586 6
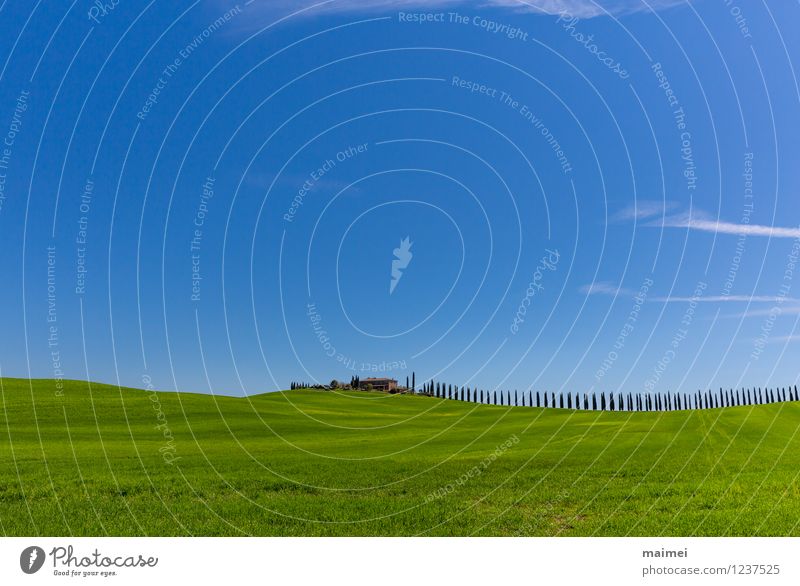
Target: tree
pixel 602 401
pixel 569 400
pixel 561 400
pixel 538 404
pixel 545 400
pixel 594 402
pixel 335 384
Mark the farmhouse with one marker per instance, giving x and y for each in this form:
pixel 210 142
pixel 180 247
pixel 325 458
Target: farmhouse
pixel 380 384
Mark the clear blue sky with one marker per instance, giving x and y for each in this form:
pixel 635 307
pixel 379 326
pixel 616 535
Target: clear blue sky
pixel 218 191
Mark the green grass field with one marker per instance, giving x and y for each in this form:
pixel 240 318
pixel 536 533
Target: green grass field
pixel 94 462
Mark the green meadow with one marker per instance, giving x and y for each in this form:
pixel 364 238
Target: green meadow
pixel 99 460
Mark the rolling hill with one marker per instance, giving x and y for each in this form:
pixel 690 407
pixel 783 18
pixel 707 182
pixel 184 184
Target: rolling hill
pixel 97 460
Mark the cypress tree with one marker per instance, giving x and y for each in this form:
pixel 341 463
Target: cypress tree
pixel 530 398
pixel 602 401
pixel 553 397
pixel 586 401
pixel 538 403
pixel 545 400
pixel 561 400
pixel 594 401
pixel 414 381
pixel 569 400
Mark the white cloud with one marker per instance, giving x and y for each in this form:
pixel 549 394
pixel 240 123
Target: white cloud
pixel 576 8
pixel 702 222
pixel 792 309
pixel 644 209
pixel 728 298
pixel 606 288
pixel 784 339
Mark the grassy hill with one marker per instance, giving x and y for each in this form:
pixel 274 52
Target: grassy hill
pixel 99 460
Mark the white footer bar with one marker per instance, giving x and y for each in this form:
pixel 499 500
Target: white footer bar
pixel 399 561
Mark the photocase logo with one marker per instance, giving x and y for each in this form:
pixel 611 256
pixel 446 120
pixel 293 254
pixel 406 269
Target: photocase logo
pixel 31 559
pixel 402 258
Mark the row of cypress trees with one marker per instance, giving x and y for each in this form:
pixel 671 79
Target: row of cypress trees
pixel 613 401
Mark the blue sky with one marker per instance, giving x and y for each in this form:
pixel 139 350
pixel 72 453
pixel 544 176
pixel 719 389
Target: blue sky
pixel 597 195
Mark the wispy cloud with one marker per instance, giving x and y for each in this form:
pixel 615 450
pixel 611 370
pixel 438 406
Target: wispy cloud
pixel 787 305
pixel 784 339
pixel 606 288
pixel 792 309
pixel 576 8
pixel 729 299
pixel 702 222
pixel 644 209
